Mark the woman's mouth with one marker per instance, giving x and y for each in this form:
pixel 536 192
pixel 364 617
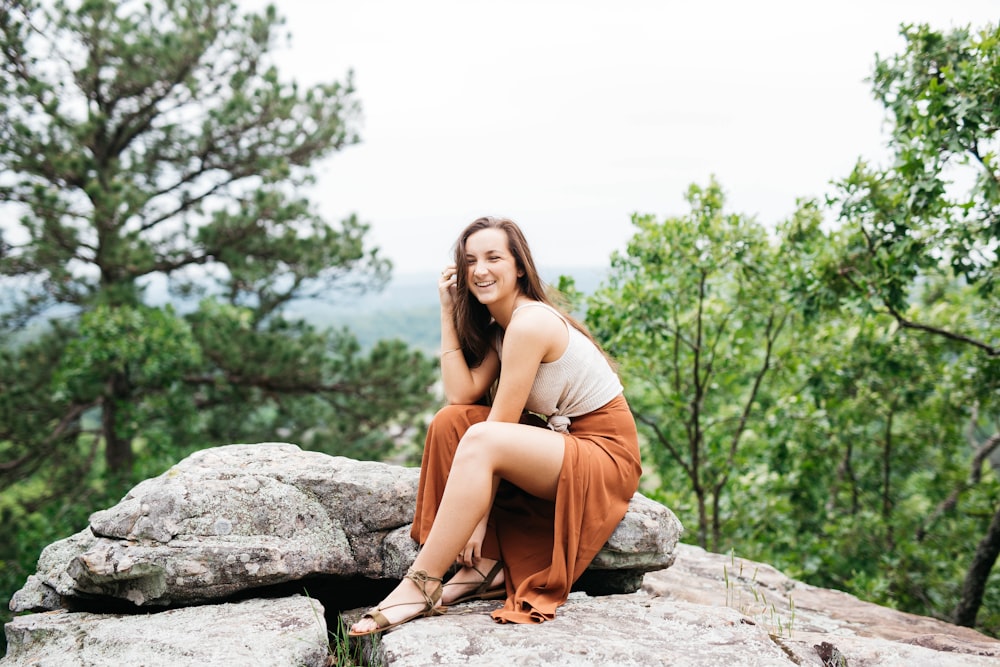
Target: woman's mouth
pixel 486 283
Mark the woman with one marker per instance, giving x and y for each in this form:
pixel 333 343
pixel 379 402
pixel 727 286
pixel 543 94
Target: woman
pixel 524 508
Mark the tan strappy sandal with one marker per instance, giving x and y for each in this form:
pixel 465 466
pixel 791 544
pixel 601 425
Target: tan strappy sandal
pixel 420 578
pixel 483 591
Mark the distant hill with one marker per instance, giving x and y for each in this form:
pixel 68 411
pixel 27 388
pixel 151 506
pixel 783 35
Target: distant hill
pixel 407 309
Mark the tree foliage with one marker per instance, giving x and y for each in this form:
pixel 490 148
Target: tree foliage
pixel 145 140
pixel 933 216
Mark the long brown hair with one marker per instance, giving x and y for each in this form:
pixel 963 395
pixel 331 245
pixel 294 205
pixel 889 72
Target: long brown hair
pixel 473 322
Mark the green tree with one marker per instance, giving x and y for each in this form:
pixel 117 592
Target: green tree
pixel 148 143
pixel 156 139
pixel 917 241
pixel 692 312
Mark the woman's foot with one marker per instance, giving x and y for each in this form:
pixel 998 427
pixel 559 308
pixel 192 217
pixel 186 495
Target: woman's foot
pixel 483 582
pixel 416 595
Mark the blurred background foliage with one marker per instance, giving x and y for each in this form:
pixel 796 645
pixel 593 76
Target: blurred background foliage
pixel 820 393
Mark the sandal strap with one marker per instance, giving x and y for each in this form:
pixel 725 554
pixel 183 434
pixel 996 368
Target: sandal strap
pixel 488 578
pixel 421 579
pixel 375 613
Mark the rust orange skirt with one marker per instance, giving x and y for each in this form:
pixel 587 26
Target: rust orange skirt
pixel 545 545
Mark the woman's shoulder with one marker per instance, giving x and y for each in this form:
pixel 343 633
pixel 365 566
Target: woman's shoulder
pixel 535 314
pixel 537 308
pixel 530 324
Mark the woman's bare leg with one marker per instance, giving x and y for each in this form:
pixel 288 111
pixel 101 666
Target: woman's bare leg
pixel 474 566
pixel 526 456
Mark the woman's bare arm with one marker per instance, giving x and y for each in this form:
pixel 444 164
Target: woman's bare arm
pixel 462 385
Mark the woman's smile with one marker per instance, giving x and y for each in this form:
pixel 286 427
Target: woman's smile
pixel 492 270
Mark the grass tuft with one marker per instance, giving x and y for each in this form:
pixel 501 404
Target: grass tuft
pixel 745 596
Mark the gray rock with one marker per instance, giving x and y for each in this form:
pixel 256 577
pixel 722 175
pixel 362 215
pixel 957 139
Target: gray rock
pixel 280 632
pixel 229 519
pixel 644 541
pixel 45 589
pixel 242 517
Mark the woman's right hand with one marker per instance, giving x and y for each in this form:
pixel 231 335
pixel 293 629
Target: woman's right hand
pixel 473 550
pixel 447 283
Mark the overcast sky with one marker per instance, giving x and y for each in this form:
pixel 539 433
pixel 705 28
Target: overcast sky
pixel 571 115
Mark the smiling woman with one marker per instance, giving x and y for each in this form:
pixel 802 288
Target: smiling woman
pixel 531 466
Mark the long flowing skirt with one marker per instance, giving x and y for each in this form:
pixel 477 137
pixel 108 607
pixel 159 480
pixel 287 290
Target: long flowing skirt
pixel 545 545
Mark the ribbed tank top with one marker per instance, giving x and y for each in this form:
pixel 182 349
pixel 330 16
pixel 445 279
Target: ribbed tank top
pixel 578 382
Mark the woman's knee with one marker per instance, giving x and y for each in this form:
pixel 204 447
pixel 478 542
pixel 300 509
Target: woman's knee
pixel 480 433
pixel 476 447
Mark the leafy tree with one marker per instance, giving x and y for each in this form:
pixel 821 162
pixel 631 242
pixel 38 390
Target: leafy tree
pixel 923 231
pixel 154 142
pixel 692 312
pixel 156 139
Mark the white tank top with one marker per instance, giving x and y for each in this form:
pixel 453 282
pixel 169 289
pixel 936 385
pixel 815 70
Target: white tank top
pixel 578 382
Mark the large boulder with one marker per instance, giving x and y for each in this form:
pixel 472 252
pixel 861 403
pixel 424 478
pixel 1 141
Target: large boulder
pixel 243 517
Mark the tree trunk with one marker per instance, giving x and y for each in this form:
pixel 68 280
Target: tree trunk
pixel 716 521
pixel 975 581
pixel 887 484
pixel 117 450
pixel 702 519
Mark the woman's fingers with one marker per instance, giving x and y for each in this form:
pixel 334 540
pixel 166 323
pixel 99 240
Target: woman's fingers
pixel 449 273
pixel 447 283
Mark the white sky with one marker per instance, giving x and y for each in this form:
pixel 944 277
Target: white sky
pixel 570 115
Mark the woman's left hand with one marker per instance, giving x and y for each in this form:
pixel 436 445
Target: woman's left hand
pixel 446 286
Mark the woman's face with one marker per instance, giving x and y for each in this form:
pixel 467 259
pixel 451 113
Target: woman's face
pixel 492 270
